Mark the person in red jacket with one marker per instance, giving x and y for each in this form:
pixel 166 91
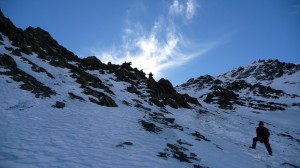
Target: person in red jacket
pixel 262 135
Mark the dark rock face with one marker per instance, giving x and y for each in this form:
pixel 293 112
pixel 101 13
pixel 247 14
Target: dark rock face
pixel 99 97
pixel 199 137
pixel 264 70
pixel 37 68
pixel 200 82
pixel 227 95
pixel 231 89
pixel 59 104
pixel 73 96
pixel 133 89
pixel 166 121
pixel 170 120
pixel 36 40
pixel 59 62
pixel 9 29
pixel 126 73
pixel 225 98
pixel 91 63
pixel 29 83
pixel 108 101
pixel 86 79
pixel 164 90
pixel 179 152
pixel 151 127
pixel 192 100
pixel 7 61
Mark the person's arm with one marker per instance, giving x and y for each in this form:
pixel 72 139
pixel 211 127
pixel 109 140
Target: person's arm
pixel 256 132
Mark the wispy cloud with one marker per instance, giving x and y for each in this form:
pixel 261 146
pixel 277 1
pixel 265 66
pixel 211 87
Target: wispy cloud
pixel 187 9
pixel 190 9
pixel 176 8
pixel 161 48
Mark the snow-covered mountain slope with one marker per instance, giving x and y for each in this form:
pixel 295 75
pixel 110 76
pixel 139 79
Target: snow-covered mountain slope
pixel 58 110
pixel 235 102
pixel 264 85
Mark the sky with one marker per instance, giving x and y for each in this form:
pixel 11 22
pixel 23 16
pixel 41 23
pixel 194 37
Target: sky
pixel 173 39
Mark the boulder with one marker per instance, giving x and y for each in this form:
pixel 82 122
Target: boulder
pixel 164 90
pixel 151 127
pixel 59 104
pixel 108 101
pixel 170 120
pixel 91 63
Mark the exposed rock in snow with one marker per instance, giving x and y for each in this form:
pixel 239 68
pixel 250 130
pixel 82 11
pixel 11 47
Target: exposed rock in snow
pixel 110 115
pixel 262 85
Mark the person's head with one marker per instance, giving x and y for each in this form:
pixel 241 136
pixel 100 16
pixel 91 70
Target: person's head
pixel 261 123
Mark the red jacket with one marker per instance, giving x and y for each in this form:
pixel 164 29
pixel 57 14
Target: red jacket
pixel 262 134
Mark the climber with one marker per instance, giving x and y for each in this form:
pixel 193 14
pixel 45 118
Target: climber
pixel 262 135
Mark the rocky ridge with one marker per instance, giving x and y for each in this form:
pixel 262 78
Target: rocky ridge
pixel 37 41
pixel 66 111
pixel 34 62
pixel 254 86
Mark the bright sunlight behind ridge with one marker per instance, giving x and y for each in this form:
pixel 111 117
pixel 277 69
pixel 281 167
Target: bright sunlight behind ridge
pixel 171 39
pixel 150 83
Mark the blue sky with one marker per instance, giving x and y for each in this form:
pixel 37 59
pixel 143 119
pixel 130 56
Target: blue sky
pixel 174 39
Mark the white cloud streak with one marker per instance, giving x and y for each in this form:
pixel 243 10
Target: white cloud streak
pixel 176 8
pixel 162 48
pixel 186 10
pixel 190 9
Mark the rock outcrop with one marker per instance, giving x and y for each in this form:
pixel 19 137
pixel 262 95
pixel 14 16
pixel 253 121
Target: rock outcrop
pixel 38 41
pixel 249 86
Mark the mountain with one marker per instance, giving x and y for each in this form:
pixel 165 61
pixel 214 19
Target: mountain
pixel 267 85
pixel 59 110
pixel 267 90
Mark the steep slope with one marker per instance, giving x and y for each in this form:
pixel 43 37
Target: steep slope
pixel 237 100
pixel 263 85
pixel 37 43
pixel 58 110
